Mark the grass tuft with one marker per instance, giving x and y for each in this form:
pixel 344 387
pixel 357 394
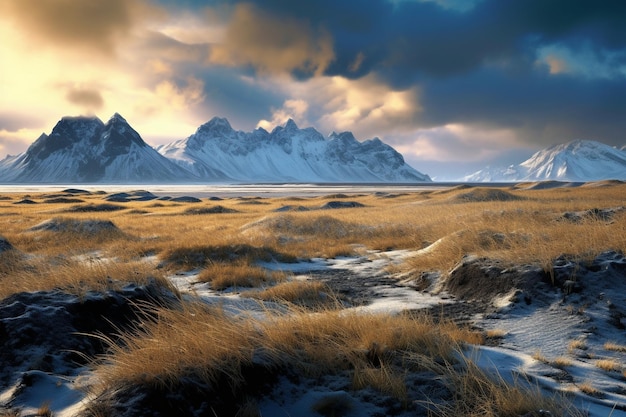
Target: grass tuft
pixel 615 347
pixel 224 275
pixel 609 365
pixel 309 294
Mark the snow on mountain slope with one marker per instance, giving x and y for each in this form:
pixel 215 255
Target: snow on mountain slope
pixel 287 154
pixel 580 160
pixel 84 149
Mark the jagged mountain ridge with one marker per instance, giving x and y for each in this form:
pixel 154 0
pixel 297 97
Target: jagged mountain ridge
pixel 287 154
pixel 578 161
pixel 85 150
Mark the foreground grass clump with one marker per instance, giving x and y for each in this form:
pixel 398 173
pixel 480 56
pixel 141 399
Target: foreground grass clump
pixel 206 343
pixel 75 276
pixel 221 352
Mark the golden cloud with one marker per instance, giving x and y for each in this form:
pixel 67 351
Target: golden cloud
pixel 292 109
pixel 93 24
pixel 272 44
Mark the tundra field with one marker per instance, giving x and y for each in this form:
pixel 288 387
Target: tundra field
pixel 464 301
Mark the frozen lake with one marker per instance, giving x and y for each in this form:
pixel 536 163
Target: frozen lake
pixel 240 190
pixel 229 190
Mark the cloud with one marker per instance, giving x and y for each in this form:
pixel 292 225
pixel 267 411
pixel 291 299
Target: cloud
pixel 12 121
pixel 272 44
pixel 542 109
pixel 87 24
pixel 181 97
pixel 14 142
pixel 457 142
pixel 86 98
pixel 295 109
pixel 583 61
pixel 530 72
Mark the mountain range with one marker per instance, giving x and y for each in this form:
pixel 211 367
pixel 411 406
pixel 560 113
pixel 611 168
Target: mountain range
pixel 86 150
pixel 576 161
pixel 287 154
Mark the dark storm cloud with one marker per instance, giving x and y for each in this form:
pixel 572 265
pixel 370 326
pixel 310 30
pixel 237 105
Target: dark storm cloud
pixel 404 39
pixel 235 95
pixel 480 67
pixel 541 109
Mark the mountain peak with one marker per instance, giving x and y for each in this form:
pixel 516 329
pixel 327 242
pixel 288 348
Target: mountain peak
pixel 217 125
pixel 83 149
pixel 291 125
pixel 578 160
pixel 117 118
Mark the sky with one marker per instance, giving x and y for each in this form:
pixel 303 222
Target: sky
pixel 453 85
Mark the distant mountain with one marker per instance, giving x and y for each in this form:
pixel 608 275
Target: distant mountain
pixel 580 160
pixel 287 154
pixel 85 150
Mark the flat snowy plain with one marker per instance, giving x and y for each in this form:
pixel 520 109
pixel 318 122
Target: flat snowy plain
pixel 537 325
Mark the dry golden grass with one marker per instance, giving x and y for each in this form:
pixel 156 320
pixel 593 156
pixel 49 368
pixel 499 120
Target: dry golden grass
pixel 495 333
pixel 588 388
pixel 190 257
pixel 76 276
pixel 539 356
pixel 615 347
pixel 609 365
pixel 213 346
pixel 576 344
pixel 527 228
pixel 382 378
pixel 309 294
pixel 224 275
pixel 561 362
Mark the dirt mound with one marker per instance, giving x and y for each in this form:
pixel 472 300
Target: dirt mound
pixel 186 199
pixel 290 225
pixel 544 185
pixel 604 183
pixel 83 227
pixel 291 208
pixel 49 331
pixel 487 281
pixel 25 201
pixel 95 208
pixel 483 280
pixel 485 195
pixel 210 210
pixel 341 204
pixel 76 191
pixel 123 197
pixel 595 214
pixel 63 200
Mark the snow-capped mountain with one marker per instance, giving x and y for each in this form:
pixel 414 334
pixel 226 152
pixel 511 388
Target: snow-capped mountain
pixel 580 160
pixel 287 154
pixel 84 149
